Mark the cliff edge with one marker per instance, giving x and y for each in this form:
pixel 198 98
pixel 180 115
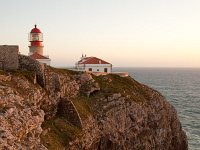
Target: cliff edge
pixel 77 110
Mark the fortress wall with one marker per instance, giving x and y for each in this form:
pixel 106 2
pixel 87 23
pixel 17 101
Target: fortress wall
pixel 9 57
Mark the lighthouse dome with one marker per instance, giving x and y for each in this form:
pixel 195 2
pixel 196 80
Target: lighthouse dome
pixel 35 30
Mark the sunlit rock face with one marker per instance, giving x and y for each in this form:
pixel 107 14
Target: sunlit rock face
pixel 112 112
pixel 20 113
pixel 122 122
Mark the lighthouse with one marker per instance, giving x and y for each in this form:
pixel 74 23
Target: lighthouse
pixel 36 39
pixel 36 46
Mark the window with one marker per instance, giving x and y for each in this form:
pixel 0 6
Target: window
pixel 90 69
pixel 105 69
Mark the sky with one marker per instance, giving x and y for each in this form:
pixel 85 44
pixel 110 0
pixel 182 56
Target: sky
pixel 126 33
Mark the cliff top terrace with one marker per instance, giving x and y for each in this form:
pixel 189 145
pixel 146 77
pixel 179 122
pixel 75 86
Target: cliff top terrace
pixel 121 74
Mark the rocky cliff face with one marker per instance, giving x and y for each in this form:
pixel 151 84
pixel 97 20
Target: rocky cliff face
pixel 82 111
pixel 129 115
pixel 20 113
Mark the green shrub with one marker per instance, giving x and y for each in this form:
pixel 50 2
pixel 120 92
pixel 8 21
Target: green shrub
pixel 59 134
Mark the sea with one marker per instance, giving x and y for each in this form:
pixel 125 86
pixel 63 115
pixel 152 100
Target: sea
pixel 181 87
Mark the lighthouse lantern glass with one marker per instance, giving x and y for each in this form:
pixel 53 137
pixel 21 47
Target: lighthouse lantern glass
pixel 36 37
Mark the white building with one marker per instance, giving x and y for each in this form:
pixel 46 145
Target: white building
pixel 93 64
pixel 41 58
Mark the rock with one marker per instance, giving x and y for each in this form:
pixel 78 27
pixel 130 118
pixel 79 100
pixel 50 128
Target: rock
pixel 88 85
pixel 122 123
pixel 45 132
pixel 111 112
pixel 10 112
pixel 5 78
pixel 84 78
pixel 21 121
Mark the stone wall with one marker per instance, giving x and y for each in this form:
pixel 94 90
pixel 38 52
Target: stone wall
pixel 9 57
pixel 27 63
pixel 67 109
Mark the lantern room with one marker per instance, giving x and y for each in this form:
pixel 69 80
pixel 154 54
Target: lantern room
pixel 35 37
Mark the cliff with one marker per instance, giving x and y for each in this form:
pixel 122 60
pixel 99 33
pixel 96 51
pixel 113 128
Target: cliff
pixel 74 110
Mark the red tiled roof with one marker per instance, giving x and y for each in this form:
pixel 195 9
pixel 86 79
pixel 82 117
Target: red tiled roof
pixel 92 60
pixel 38 56
pixel 83 60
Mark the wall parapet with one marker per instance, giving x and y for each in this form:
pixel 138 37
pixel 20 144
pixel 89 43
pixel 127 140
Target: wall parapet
pixel 29 64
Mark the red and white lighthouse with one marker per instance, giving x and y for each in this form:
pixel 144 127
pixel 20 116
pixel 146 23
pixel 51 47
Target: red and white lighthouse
pixel 36 39
pixel 36 46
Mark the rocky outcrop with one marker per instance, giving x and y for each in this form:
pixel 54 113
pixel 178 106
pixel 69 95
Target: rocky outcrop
pixel 27 63
pixel 81 111
pixel 120 123
pixel 20 114
pixel 87 84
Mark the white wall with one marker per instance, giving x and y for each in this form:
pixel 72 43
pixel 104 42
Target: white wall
pixel 95 67
pixel 45 61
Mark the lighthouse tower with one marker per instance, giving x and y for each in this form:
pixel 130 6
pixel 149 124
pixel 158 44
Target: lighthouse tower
pixel 36 46
pixel 36 39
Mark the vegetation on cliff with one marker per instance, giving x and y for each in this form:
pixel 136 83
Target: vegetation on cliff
pixel 59 133
pixel 81 111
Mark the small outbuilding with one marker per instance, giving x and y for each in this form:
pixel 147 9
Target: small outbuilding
pixel 41 58
pixel 93 64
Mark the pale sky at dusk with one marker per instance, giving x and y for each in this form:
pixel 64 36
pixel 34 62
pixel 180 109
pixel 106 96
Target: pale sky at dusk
pixel 126 33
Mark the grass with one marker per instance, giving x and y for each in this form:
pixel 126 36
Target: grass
pixel 16 83
pixel 82 105
pixel 60 133
pixel 30 75
pixel 2 72
pixel 125 85
pixel 109 85
pixel 63 71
